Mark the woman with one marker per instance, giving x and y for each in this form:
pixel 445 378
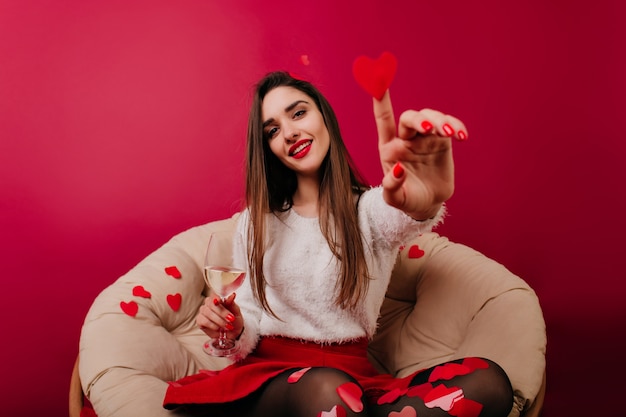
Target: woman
pixel 321 248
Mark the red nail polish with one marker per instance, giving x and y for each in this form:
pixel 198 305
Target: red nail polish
pixel 230 318
pixel 427 126
pixel 462 135
pixel 229 326
pixel 398 171
pixel 216 301
pixel 447 129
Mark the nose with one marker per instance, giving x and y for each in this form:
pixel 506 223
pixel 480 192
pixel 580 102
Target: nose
pixel 290 132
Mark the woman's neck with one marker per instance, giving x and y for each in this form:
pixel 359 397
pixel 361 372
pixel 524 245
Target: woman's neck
pixel 306 197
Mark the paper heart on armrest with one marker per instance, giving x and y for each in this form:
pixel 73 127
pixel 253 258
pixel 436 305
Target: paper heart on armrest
pixel 375 75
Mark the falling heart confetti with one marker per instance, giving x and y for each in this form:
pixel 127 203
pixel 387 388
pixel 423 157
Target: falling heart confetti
pixel 295 377
pixel 443 397
pixel 304 60
pixel 415 252
pixel 465 408
pixel 174 300
pixel 448 371
pixel 131 308
pixel 391 396
pixel 407 411
pixel 336 411
pixel 140 291
pixel 172 271
pixel 375 75
pixel 351 394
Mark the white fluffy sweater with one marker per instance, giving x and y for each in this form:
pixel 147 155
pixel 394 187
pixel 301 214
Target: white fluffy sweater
pixel 301 274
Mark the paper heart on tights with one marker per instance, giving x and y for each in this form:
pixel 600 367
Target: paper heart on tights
pixel 448 371
pixel 351 394
pixel 475 363
pixel 174 300
pixel 375 75
pixel 336 411
pixel 407 411
pixel 391 396
pixel 172 271
pixel 443 397
pixel 420 390
pixel 466 408
pixel 131 308
pixel 415 252
pixel 140 291
pixel 295 377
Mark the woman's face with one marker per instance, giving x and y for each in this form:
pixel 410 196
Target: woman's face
pixel 295 130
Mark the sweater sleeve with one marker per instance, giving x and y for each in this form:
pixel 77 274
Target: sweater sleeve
pixel 388 224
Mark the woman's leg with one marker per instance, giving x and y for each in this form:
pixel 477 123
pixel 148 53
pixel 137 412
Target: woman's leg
pixel 471 387
pixel 315 392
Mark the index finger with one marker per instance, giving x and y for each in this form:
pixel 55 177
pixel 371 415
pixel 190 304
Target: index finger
pixel 385 122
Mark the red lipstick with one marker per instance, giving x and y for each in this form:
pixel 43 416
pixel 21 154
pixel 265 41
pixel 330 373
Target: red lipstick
pixel 300 149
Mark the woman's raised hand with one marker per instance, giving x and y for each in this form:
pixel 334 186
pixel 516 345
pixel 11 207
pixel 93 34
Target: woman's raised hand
pixel 416 157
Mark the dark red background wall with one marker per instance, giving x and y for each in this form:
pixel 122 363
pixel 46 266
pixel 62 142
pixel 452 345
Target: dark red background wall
pixel 122 123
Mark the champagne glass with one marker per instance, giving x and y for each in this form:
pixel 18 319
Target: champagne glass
pixel 224 273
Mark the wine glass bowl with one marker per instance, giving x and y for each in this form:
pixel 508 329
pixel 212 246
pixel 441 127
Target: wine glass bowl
pixel 224 272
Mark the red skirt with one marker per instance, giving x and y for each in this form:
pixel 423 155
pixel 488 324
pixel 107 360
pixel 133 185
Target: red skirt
pixel 273 356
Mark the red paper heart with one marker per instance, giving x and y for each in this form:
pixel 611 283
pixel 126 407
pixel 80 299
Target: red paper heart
pixel 420 390
pixel 174 300
pixel 415 252
pixel 448 371
pixel 131 308
pixel 173 272
pixel 475 363
pixel 443 397
pixel 336 411
pixel 391 396
pixel 407 411
pixel 351 394
pixel 140 291
pixel 295 377
pixel 375 75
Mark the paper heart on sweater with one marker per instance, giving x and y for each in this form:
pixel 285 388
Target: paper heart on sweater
pixel 375 75
pixel 174 301
pixel 407 411
pixel 131 308
pixel 351 394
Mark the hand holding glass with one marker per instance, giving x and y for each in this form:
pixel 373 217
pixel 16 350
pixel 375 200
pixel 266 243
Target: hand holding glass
pixel 224 273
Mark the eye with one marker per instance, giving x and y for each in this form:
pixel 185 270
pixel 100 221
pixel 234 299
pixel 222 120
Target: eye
pixel 270 133
pixel 299 113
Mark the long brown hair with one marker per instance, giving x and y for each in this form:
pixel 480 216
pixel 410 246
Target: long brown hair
pixel 270 187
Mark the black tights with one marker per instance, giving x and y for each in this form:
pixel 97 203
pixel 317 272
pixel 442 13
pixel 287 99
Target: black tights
pixel 487 390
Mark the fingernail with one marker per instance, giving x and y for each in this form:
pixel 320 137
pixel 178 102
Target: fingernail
pixel 462 135
pixel 229 326
pixel 216 301
pixel 230 318
pixel 447 129
pixel 398 171
pixel 427 126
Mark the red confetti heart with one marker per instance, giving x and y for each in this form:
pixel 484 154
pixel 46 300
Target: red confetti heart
pixel 173 272
pixel 131 308
pixel 475 363
pixel 407 411
pixel 448 371
pixel 391 396
pixel 140 291
pixel 443 397
pixel 336 411
pixel 304 60
pixel 420 390
pixel 351 394
pixel 375 76
pixel 174 300
pixel 295 377
pixel 465 408
pixel 415 252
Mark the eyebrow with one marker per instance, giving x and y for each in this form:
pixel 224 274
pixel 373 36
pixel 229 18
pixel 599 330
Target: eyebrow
pixel 287 110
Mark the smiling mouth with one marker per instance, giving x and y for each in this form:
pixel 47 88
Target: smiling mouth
pixel 297 149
